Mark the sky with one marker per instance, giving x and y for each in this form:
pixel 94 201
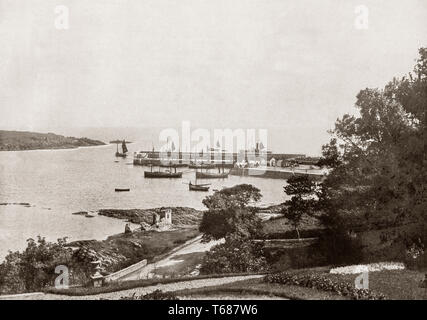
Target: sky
pixel 291 67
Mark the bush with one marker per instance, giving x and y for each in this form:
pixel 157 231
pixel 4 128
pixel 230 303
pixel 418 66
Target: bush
pixel 339 248
pixel 281 259
pixel 415 254
pixel 323 283
pixel 235 255
pixel 34 268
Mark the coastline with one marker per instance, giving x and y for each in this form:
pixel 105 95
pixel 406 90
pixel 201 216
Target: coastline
pixel 65 148
pixel 27 140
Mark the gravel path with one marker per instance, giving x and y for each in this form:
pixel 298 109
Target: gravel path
pixel 190 284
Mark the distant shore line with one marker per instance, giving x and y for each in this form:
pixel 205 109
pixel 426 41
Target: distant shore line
pixel 26 140
pixel 59 148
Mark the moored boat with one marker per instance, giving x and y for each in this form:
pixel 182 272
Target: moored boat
pixel 174 165
pixel 162 174
pixel 202 166
pixel 210 175
pixel 121 189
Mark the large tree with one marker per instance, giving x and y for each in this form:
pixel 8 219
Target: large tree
pixel 379 163
pixel 231 217
pixel 229 213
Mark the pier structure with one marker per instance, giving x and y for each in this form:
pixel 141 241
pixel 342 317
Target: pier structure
pixel 212 156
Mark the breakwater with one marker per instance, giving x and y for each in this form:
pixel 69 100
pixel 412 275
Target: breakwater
pixel 275 173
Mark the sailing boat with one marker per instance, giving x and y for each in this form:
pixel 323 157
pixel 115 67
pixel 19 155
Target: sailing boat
pixel 124 150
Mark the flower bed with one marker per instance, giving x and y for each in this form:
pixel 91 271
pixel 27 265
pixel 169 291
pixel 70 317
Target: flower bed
pixel 360 268
pixel 323 283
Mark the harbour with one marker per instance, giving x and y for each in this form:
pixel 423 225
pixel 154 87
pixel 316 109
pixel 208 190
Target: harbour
pixel 55 183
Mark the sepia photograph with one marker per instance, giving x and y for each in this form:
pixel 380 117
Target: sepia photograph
pixel 229 151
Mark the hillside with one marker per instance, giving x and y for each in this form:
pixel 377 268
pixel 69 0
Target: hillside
pixel 24 140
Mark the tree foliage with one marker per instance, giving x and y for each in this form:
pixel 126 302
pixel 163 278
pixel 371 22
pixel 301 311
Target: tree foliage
pixel 239 196
pixel 380 165
pixel 235 255
pixel 34 268
pixel 219 223
pixel 330 155
pixel 228 213
pixel 302 189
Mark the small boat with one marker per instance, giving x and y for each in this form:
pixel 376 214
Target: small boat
pixel 210 175
pixel 124 150
pixel 121 189
pixel 162 174
pixel 198 187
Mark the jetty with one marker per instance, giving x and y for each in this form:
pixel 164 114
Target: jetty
pixel 278 173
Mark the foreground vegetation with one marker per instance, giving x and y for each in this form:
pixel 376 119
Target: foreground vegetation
pixel 23 140
pixel 34 268
pixel 319 284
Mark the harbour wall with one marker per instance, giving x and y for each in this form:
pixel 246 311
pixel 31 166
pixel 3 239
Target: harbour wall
pixel 274 174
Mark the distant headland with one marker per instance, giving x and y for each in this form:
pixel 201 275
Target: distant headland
pixel 25 140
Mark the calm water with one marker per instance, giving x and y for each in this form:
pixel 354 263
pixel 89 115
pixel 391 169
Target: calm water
pixel 59 182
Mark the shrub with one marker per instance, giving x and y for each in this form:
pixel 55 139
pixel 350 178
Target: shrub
pixel 339 248
pixel 34 268
pixel 323 283
pixel 281 259
pixel 235 255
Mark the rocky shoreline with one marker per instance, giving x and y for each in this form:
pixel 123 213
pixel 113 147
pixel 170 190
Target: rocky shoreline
pixel 121 250
pixel 181 216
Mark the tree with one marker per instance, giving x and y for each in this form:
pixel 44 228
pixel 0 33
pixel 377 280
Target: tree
pixel 228 213
pixel 239 196
pixel 302 189
pixel 380 177
pixel 330 155
pixel 219 223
